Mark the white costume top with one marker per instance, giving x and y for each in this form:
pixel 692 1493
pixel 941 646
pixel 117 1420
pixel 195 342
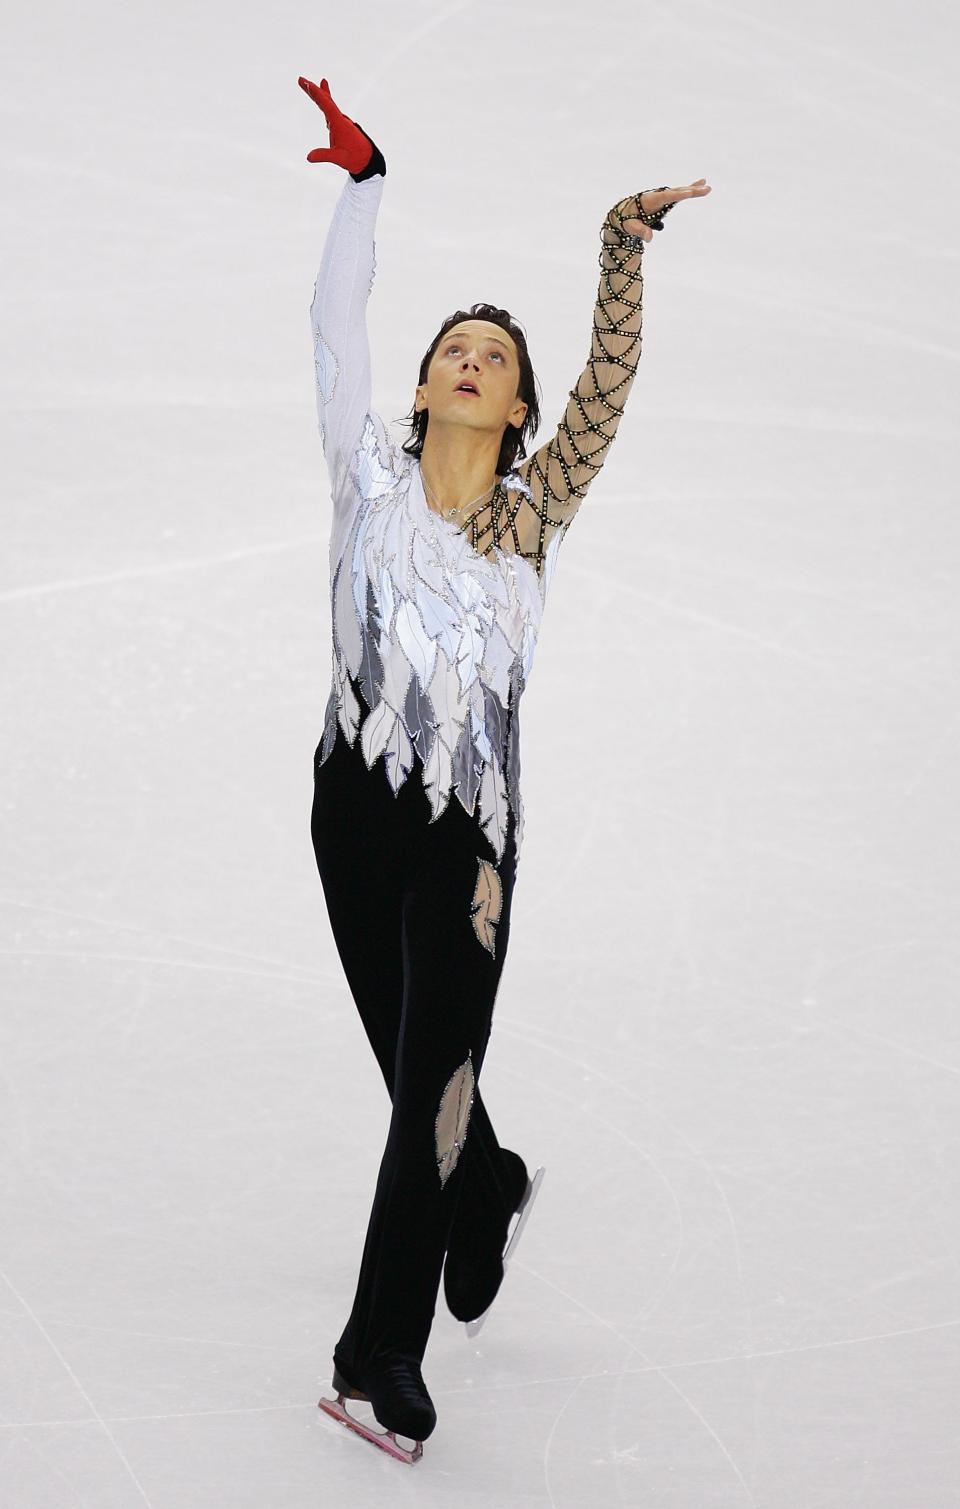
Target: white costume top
pixel 437 622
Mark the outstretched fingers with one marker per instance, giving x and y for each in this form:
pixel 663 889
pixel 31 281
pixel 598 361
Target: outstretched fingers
pixel 320 94
pixel 655 199
pixel 652 201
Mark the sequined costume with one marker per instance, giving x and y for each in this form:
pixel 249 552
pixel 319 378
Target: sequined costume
pixel 436 621
pixel 417 818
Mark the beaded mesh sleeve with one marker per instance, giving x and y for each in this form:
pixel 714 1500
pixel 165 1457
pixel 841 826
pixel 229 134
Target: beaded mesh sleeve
pixel 525 520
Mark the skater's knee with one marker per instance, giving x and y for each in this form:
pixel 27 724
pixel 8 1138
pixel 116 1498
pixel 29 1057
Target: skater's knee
pixel 453 1118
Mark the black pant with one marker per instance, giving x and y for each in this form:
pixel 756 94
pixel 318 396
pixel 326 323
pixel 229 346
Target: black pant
pixel 422 935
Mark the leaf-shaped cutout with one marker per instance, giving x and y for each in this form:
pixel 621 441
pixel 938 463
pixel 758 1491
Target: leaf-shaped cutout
pixel 370 674
pixel 494 807
pixel 481 742
pixel 470 648
pixel 487 903
pixel 418 717
pixel 440 620
pixel 437 775
pixel 451 706
pixel 386 601
pixel 327 368
pixel 372 477
pixel 453 1118
pixel 398 755
pixel 346 623
pixel 349 712
pixel 494 719
pixel 396 675
pixel 329 727
pixel 467 768
pixel 419 648
pixel 375 733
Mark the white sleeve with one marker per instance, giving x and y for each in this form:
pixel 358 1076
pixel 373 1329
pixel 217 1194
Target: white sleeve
pixel 338 317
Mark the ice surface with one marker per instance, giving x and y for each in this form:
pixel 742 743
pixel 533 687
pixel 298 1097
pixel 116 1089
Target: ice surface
pixel 728 1021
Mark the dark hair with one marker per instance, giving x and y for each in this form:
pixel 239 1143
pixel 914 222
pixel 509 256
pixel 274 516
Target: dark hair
pixel 514 436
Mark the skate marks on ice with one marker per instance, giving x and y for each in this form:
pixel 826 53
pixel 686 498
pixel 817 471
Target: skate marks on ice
pixel 157 569
pixel 487 905
pixel 78 1385
pixel 386 65
pixel 649 1365
pixel 453 1118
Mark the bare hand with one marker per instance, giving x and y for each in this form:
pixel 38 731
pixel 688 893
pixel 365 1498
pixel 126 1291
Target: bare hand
pixel 653 200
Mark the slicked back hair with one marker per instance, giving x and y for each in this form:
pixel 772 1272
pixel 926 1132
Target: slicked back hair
pixel 513 446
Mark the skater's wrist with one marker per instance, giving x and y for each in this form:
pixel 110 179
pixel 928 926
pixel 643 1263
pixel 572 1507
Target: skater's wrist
pixel 376 165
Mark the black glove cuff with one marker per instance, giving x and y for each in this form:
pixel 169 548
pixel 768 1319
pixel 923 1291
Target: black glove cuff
pixel 375 165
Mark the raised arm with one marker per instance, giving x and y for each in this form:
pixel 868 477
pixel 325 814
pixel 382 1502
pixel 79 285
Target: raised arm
pixel 338 313
pixel 338 317
pixel 557 476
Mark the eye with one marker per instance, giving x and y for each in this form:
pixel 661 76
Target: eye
pixel 498 355
pixel 453 347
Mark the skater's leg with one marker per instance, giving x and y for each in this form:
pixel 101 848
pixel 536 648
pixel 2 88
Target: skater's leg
pixel 473 1269
pixel 494 1180
pixel 352 824
pixel 451 976
pixel 363 905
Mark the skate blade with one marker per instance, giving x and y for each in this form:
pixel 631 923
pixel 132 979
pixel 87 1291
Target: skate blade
pixel 473 1326
pixel 385 1439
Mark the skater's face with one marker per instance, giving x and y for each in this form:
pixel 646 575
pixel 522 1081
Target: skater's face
pixel 483 355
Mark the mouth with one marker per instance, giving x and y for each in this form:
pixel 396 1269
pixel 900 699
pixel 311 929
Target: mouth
pixel 468 387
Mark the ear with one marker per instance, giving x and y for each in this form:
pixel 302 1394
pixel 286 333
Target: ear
pixel 518 413
pixel 420 399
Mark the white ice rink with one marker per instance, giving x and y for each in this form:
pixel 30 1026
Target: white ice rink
pixel 729 1022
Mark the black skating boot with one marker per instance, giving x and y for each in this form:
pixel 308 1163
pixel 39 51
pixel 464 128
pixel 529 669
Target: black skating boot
pixel 473 1271
pixel 393 1385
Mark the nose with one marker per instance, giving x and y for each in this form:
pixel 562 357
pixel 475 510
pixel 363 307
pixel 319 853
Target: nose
pixel 467 361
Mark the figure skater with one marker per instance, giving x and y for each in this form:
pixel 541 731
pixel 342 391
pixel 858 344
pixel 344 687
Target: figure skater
pixel 441 556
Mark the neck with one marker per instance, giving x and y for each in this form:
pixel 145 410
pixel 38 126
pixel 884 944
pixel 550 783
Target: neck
pixel 459 464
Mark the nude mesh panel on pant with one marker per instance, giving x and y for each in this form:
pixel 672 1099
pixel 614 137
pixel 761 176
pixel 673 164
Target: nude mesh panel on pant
pixel 453 1118
pixel 487 905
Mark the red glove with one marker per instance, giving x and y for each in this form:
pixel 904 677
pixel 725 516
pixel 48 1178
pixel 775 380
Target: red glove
pixel 350 146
